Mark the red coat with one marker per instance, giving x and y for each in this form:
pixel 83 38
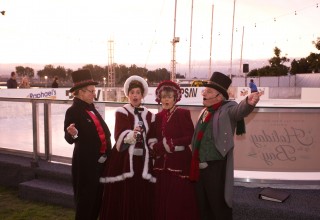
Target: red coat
pixel 129 188
pixel 174 192
pixel 178 130
pixel 120 165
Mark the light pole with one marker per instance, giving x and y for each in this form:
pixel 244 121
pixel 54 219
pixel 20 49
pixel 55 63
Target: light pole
pixel 234 9
pixel 46 79
pixel 104 88
pixel 174 41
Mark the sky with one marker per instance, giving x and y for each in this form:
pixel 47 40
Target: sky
pixel 80 31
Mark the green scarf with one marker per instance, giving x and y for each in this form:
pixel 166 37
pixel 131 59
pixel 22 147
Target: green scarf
pixel 205 118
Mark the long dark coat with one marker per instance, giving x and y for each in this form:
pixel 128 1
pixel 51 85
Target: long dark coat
pixel 129 183
pixel 86 170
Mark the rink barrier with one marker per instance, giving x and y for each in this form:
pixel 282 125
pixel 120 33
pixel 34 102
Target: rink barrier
pixel 259 158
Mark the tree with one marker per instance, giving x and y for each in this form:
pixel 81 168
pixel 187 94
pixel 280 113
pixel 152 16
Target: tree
pixel 310 64
pixel 60 72
pixel 97 72
pixel 158 75
pixel 122 73
pixel 50 71
pixel 180 76
pixel 276 67
pixel 314 62
pixel 317 43
pixel 300 66
pixel 24 71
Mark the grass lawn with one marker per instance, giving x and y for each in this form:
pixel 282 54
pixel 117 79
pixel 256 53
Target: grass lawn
pixel 14 208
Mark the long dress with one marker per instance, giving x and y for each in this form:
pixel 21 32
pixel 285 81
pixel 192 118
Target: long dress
pixel 128 181
pixel 174 193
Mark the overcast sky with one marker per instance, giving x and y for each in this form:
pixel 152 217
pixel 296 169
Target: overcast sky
pixel 78 31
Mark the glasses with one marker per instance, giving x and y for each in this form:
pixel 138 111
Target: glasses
pixel 87 90
pixel 209 92
pixel 166 96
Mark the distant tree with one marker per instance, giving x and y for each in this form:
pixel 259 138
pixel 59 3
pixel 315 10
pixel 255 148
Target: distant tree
pixel 97 72
pixel 300 66
pixel 48 71
pixel 60 72
pixel 180 76
pixel 68 74
pixel 158 75
pixel 314 62
pixel 24 71
pixel 317 43
pixel 310 64
pixel 139 71
pixel 122 73
pixel 276 67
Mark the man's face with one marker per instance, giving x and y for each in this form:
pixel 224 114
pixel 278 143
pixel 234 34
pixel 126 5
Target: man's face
pixel 211 97
pixel 87 94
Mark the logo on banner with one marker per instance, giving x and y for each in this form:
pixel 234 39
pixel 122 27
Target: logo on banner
pixel 43 95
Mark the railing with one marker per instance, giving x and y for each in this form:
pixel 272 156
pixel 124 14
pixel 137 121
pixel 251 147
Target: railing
pixel 278 140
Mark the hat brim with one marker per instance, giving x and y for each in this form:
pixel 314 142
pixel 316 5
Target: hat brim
pixel 174 87
pixel 83 85
pixel 137 78
pixel 218 88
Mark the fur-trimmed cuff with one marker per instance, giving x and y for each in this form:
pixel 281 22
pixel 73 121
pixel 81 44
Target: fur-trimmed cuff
pixel 151 142
pixel 130 139
pixel 168 145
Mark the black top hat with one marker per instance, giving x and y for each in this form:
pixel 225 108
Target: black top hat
pixel 219 82
pixel 81 78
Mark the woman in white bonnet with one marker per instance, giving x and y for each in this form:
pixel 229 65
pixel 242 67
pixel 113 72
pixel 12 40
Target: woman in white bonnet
pixel 129 184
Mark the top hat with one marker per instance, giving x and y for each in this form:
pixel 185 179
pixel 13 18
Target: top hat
pixel 81 78
pixel 168 84
pixel 135 78
pixel 219 82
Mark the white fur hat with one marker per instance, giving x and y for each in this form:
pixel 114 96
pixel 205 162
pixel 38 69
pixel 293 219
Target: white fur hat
pixel 135 78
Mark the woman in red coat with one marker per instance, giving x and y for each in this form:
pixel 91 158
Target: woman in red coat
pixel 129 184
pixel 175 193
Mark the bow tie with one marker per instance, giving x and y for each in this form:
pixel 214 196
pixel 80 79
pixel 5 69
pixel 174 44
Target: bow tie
pixel 137 110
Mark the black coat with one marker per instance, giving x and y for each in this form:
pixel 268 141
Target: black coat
pixel 12 84
pixel 86 170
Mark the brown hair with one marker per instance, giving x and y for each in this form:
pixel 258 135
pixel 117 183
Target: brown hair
pixel 136 84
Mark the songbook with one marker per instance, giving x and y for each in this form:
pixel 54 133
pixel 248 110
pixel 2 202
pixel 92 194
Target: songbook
pixel 274 195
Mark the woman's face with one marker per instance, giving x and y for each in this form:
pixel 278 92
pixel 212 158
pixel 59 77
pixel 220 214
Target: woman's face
pixel 135 97
pixel 167 100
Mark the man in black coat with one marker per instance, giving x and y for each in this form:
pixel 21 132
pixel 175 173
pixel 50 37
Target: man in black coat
pixel 85 127
pixel 12 82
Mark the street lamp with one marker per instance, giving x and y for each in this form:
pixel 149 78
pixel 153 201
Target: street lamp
pixel 104 88
pixel 46 79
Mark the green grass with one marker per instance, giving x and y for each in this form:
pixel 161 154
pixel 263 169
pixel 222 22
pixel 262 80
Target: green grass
pixel 14 208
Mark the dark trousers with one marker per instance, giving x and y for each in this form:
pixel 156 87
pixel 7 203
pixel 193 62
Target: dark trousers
pixel 210 192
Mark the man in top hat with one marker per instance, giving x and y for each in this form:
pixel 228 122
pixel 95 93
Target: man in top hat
pixel 212 146
pixel 85 128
